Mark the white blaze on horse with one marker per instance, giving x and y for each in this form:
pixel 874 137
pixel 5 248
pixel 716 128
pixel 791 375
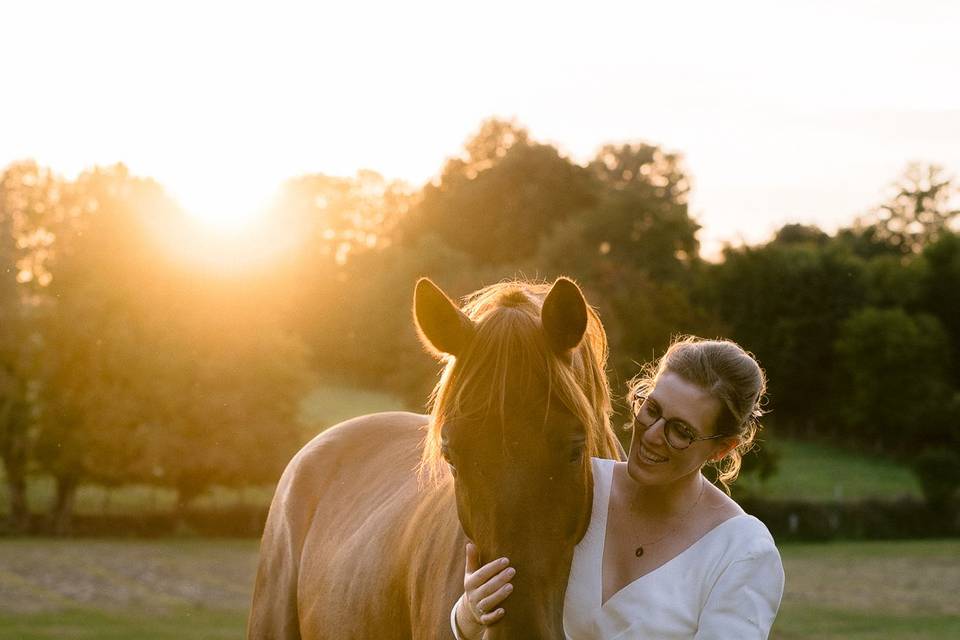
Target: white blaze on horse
pixel 366 532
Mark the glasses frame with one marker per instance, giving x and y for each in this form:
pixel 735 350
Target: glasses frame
pixel 635 410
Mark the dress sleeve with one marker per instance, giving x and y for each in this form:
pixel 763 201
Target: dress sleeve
pixel 744 600
pixel 453 620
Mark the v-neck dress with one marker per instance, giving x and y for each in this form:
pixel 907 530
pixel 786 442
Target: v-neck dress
pixel 727 584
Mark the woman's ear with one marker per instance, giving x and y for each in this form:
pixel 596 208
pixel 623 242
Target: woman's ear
pixel 723 447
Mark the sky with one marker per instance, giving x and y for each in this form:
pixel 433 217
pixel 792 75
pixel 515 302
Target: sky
pixel 784 112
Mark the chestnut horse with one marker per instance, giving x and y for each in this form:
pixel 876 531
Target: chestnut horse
pixel 366 532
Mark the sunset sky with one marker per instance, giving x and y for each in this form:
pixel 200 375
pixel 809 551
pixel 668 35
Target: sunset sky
pixel 783 113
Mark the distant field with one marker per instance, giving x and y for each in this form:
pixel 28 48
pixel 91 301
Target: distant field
pixel 811 471
pixel 876 590
pixel 328 404
pixel 141 590
pixel 198 589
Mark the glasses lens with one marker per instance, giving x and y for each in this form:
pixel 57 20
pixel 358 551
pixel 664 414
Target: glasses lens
pixel 677 435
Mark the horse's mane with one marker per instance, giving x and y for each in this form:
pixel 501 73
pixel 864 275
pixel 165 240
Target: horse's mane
pixel 509 338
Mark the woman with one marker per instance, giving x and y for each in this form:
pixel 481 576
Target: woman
pixel 667 554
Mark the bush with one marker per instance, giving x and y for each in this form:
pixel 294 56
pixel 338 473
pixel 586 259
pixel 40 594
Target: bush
pixel 939 473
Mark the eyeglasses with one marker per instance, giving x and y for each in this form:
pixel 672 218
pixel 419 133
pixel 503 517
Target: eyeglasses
pixel 677 433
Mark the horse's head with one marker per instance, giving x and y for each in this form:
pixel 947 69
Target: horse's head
pixel 522 405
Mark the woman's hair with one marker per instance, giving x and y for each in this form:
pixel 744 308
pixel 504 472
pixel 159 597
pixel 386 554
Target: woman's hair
pixel 731 375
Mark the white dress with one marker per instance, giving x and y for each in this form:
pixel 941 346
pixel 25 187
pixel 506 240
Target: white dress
pixel 727 584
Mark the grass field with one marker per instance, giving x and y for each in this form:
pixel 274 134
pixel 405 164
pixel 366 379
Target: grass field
pixel 198 589
pixel 809 471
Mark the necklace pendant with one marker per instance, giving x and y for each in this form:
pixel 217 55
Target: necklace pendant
pixel 639 551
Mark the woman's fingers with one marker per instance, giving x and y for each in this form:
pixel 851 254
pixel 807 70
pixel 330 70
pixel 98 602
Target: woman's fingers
pixel 473 560
pixel 487 586
pixel 478 577
pixel 489 618
pixel 490 602
pixel 494 584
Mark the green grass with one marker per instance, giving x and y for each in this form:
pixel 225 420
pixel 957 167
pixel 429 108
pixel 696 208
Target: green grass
pixel 159 589
pixel 876 590
pixel 809 471
pixel 826 623
pixel 186 624
pixel 328 403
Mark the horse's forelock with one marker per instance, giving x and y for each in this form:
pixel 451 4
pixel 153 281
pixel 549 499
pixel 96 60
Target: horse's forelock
pixel 509 341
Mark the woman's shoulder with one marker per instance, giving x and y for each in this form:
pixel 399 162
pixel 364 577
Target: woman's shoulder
pixel 739 533
pixel 744 537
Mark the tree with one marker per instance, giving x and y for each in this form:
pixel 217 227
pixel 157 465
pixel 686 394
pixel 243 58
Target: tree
pixel 642 217
pixel 801 234
pixel 918 211
pixel 940 290
pixel 496 203
pixel 154 372
pixel 220 405
pixel 336 216
pixel 91 324
pixel 31 203
pixel 786 303
pixel 939 473
pixel 891 377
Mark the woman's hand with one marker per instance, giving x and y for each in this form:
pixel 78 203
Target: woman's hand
pixel 484 588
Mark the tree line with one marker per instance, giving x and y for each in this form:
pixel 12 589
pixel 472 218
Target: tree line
pixel 119 364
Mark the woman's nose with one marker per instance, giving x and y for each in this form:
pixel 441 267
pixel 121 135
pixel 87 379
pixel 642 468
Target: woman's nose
pixel 655 433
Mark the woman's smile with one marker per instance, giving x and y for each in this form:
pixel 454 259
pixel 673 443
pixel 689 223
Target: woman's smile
pixel 649 457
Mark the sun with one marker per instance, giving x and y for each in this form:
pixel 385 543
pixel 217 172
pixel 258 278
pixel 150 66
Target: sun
pixel 228 226
pixel 227 205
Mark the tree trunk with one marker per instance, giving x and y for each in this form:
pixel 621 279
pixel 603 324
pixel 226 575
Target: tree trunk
pixel 13 450
pixel 19 513
pixel 63 508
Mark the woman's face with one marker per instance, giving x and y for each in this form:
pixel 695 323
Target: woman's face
pixel 652 461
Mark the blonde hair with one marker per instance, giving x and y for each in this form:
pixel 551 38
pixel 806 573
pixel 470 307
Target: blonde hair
pixel 509 336
pixel 730 374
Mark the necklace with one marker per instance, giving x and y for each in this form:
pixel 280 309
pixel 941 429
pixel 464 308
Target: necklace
pixel 639 551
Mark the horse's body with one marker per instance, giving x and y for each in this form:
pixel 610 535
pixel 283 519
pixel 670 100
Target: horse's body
pixel 366 532
pixel 354 547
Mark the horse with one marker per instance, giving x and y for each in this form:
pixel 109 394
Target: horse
pixel 366 531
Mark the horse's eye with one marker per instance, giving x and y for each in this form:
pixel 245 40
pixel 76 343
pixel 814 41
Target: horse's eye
pixel 445 452
pixel 577 454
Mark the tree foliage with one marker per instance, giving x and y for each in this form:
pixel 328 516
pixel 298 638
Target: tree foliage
pixel 496 203
pixel 119 364
pixel 891 377
pixel 917 212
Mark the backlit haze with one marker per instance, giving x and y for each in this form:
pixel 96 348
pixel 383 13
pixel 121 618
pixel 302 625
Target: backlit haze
pixel 785 113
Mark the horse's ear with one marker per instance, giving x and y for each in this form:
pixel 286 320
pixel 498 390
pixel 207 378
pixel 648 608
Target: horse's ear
pixel 442 327
pixel 564 316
